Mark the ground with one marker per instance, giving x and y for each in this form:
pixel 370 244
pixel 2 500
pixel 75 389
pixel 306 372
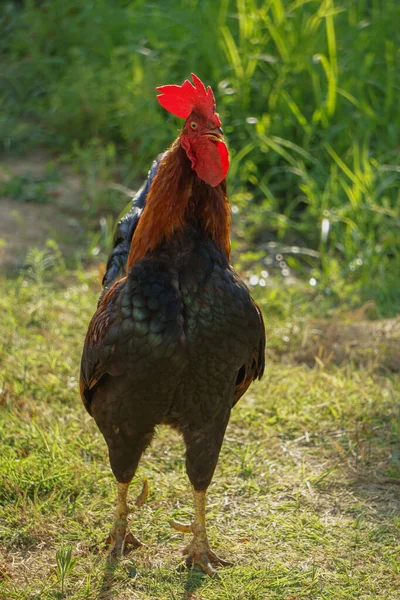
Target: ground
pixel 305 499
pixel 52 211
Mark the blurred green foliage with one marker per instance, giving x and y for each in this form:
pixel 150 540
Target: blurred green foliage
pixel 307 91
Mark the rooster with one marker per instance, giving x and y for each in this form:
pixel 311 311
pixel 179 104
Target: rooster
pixel 178 339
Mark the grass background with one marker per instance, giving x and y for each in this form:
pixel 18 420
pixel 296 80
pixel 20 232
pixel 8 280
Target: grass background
pixel 305 497
pixel 307 91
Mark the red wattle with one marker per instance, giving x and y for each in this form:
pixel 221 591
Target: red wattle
pixel 224 154
pixel 208 158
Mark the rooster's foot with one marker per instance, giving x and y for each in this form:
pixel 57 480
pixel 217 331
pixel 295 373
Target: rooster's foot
pixel 198 552
pixel 119 539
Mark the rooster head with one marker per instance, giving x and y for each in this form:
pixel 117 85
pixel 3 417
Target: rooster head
pixel 202 137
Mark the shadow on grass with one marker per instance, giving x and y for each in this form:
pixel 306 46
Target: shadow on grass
pixel 194 581
pixel 365 480
pixel 105 592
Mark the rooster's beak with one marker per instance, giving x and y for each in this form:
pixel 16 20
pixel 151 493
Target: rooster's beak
pixel 217 135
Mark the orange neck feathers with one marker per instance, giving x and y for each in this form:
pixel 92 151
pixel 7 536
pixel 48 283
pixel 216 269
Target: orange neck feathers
pixel 175 196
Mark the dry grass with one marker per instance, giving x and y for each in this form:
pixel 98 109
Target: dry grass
pixel 351 338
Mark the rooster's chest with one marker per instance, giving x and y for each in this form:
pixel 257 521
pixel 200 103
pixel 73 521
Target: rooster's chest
pixel 183 314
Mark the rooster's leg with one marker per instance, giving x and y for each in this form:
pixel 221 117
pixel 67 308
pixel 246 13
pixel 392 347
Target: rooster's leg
pixel 119 536
pixel 202 450
pixel 198 552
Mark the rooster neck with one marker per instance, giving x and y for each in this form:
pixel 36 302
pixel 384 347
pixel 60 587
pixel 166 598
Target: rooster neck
pixel 176 197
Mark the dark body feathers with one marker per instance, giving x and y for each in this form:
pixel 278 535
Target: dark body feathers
pixel 176 341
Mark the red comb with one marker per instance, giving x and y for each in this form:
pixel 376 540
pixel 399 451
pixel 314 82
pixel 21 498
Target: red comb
pixel 180 100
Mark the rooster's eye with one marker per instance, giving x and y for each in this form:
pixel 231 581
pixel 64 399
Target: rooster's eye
pixel 193 125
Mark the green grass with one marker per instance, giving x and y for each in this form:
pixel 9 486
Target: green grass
pixel 304 499
pixel 306 89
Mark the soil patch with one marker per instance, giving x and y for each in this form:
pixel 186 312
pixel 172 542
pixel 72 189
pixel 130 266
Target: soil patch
pixel 29 223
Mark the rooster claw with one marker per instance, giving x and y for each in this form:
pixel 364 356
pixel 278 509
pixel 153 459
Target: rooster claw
pixel 120 544
pixel 204 567
pixel 207 561
pixel 181 527
pixel 141 499
pixel 132 540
